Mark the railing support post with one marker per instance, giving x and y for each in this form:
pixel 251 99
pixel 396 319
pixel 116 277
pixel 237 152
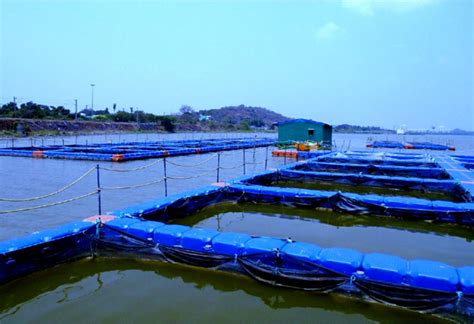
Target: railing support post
pixel 243 157
pixel 99 198
pixel 165 177
pixel 218 166
pixel 266 157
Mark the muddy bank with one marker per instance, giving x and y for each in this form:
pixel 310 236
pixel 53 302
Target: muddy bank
pixel 26 127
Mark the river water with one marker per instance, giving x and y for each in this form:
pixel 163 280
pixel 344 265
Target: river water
pixel 131 291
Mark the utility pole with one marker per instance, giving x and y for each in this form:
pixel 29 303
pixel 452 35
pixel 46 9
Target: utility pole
pixel 92 88
pixel 75 104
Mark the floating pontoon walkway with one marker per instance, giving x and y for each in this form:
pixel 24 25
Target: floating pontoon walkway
pixel 121 152
pixel 410 145
pixel 457 168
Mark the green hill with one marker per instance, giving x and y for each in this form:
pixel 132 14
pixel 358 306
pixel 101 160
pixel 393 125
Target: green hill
pixel 241 117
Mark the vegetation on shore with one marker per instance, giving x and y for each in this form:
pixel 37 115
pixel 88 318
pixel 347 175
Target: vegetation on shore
pixel 232 118
pixel 345 128
pixel 32 118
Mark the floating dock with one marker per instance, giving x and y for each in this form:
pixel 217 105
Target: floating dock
pixel 421 285
pixel 411 145
pixel 121 152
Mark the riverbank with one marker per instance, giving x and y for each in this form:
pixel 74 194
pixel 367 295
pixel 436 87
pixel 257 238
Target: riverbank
pixel 19 127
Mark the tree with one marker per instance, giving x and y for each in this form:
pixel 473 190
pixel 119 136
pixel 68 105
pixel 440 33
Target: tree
pixel 32 110
pixel 123 116
pixel 244 125
pixel 185 109
pixel 257 123
pixel 114 107
pixel 8 109
pixel 168 123
pixel 60 112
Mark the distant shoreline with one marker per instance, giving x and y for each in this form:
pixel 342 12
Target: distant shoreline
pixel 59 128
pixel 18 127
pixel 411 133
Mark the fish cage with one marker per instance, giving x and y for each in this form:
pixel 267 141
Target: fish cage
pixel 122 152
pixel 411 145
pixel 384 247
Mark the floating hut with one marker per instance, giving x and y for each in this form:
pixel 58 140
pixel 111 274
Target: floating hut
pixel 304 130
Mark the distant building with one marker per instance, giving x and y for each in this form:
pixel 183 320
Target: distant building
pixel 204 117
pixel 87 113
pixel 302 130
pixel 401 130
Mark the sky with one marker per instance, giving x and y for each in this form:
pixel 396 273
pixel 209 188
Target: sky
pixel 361 62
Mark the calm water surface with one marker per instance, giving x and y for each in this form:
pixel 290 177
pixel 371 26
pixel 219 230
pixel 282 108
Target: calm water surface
pixel 361 189
pixel 111 291
pixel 447 243
pixel 131 291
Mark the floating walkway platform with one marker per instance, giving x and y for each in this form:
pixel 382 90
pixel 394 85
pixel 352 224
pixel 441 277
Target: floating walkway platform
pixel 420 285
pixel 121 152
pixel 411 145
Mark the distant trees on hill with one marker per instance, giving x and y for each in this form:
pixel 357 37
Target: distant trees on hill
pixel 226 118
pixel 345 128
pixel 31 110
pixel 34 110
pixel 230 118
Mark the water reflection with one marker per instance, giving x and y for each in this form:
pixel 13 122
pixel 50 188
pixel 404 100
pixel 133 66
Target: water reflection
pixel 449 243
pixel 153 287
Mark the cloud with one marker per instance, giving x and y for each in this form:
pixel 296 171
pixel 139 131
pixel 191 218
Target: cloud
pixel 329 30
pixel 364 7
pixel 369 7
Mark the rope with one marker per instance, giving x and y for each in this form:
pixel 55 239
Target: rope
pixel 254 163
pixel 191 177
pixel 191 165
pixel 238 152
pixel 232 167
pixel 48 205
pixel 52 193
pixel 131 170
pixel 134 186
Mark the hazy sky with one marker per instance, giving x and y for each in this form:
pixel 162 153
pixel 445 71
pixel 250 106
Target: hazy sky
pixel 365 62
